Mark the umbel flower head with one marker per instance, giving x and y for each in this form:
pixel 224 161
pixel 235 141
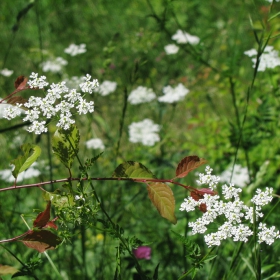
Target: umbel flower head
pixel 237 218
pixel 60 103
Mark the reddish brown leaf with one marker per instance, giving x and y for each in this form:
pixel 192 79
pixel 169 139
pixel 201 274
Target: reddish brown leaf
pixel 199 194
pixel 41 240
pixel 20 82
pixel 43 217
pixel 51 224
pixel 188 164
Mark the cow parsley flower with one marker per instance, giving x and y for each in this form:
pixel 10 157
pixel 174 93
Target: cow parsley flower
pixel 74 50
pixel 6 72
pixel 171 49
pixel 238 218
pixel 269 58
pixel 54 65
pixel 95 143
pixel 145 132
pixel 88 86
pixel 106 88
pixel 60 103
pixel 172 95
pixel 182 37
pixel 141 95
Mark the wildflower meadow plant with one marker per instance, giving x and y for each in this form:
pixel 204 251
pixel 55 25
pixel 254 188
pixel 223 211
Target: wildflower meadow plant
pixel 172 95
pixel 233 218
pixel 145 132
pixel 57 104
pixel 141 95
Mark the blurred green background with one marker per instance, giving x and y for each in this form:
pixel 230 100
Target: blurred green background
pixel 125 43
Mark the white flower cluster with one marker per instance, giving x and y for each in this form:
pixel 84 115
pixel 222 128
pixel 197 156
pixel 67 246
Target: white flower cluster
pixel 6 72
pixel 95 143
pixel 54 65
pixel 106 87
pixel 145 132
pixel 270 1
pixel 57 103
pixel 237 216
pixel 172 95
pixel 182 37
pixel 268 59
pixel 141 95
pixel 74 50
pixel 171 49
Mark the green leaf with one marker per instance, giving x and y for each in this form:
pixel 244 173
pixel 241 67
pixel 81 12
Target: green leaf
pixel 163 199
pixel 65 144
pixel 30 154
pixel 209 258
pixel 132 169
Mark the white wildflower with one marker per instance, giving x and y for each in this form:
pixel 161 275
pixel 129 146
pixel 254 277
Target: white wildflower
pixel 95 143
pixel 74 50
pixel 182 37
pixel 171 49
pixel 145 132
pixel 6 72
pixel 141 95
pixel 172 95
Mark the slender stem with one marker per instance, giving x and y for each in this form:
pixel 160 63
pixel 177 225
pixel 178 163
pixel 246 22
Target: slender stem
pixel 138 180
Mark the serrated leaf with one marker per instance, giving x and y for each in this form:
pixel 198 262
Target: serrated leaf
pixel 41 240
pixel 65 144
pixel 59 200
pixel 132 169
pixel 43 217
pixel 188 164
pixel 31 153
pixel 163 199
pixel 6 269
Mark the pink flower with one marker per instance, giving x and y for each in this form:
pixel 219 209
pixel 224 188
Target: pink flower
pixel 142 252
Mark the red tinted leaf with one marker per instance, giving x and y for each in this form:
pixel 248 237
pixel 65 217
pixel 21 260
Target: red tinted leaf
pixel 203 207
pixel 188 164
pixel 41 240
pixel 199 194
pixel 196 195
pixel 51 224
pixel 43 217
pixel 20 82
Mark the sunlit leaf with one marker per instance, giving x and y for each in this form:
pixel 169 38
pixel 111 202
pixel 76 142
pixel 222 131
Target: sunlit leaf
pixel 6 269
pixel 163 199
pixel 59 200
pixel 31 153
pixel 188 164
pixel 43 217
pixel 132 169
pixel 41 240
pixel 65 144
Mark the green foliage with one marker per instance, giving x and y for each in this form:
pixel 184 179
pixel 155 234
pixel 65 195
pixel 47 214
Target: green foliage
pixel 31 153
pixel 229 117
pixel 65 144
